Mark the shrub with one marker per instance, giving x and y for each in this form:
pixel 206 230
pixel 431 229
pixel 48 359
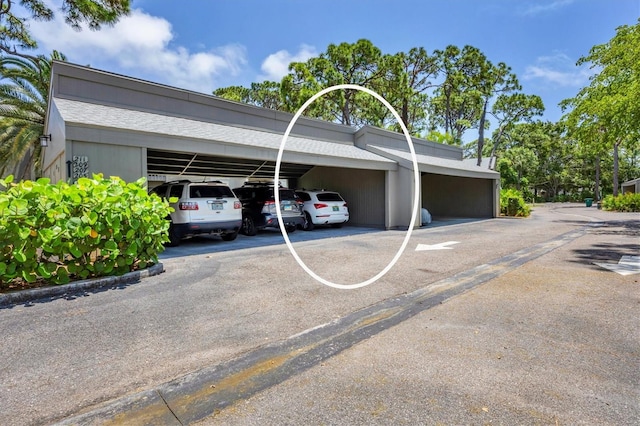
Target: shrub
pixel 629 202
pixel 62 232
pixel 512 203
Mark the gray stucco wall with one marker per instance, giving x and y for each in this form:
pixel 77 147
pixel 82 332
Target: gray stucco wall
pixel 91 85
pixel 378 191
pixel 123 161
pixel 400 202
pixel 451 196
pixel 53 156
pixel 363 190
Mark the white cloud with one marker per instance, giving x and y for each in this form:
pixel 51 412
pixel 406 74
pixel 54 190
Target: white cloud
pixel 558 70
pixel 140 45
pixel 276 65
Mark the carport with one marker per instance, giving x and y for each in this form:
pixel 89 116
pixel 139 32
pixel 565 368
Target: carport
pixel 449 186
pixel 364 188
pixel 119 126
pixel 161 162
pixel 131 143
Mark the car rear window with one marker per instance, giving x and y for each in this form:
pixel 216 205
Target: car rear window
pixel 304 196
pixel 206 191
pixel 287 194
pixel 242 194
pixel 159 190
pixel 176 191
pixel 329 196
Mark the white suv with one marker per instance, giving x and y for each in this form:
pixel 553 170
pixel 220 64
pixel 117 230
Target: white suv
pixel 202 208
pixel 323 208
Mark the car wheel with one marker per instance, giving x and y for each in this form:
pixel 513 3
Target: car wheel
pixel 248 226
pixel 230 236
pixel 308 224
pixel 174 236
pixel 290 229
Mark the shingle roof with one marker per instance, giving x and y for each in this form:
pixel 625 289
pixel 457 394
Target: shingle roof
pixel 438 165
pixel 103 116
pixel 95 115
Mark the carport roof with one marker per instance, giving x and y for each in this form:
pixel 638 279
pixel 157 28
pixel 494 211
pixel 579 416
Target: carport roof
pixel 214 141
pixel 218 138
pixel 438 165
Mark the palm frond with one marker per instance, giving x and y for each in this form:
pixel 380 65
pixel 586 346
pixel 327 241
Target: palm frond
pixel 24 91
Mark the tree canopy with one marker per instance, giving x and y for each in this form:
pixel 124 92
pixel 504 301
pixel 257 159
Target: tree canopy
pixel 447 92
pixel 24 91
pixel 15 38
pixel 24 78
pixel 605 115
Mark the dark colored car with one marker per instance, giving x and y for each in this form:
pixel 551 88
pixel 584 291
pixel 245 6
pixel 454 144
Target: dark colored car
pixel 259 208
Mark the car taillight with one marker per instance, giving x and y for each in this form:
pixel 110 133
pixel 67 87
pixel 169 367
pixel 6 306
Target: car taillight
pixel 320 205
pixel 188 205
pixel 269 203
pixel 237 205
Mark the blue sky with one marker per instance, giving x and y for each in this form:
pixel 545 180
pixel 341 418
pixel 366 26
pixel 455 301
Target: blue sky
pixel 205 44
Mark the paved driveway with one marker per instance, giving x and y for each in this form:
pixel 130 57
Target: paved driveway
pixel 527 330
pixel 270 237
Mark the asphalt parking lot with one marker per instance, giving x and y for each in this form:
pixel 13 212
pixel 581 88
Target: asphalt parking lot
pixel 513 323
pixel 269 237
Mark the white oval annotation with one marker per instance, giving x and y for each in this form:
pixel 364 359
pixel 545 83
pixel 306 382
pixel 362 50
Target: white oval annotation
pixel 416 186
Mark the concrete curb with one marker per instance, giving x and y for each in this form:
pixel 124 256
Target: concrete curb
pixel 23 296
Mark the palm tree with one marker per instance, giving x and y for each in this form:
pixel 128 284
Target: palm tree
pixel 24 95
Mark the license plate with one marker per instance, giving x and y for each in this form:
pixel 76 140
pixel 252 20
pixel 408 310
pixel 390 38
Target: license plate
pixel 288 208
pixel 215 206
pixel 336 208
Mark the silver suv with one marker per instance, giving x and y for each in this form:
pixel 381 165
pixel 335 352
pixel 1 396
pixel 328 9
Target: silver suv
pixel 202 208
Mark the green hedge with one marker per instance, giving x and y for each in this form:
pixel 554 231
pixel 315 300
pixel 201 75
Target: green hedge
pixel 63 232
pixel 629 202
pixel 512 203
